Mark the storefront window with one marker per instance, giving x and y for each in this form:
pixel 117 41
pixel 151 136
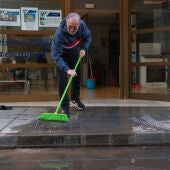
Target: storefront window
pixel 150 49
pixel 151 79
pixel 151 13
pixel 26 31
pixel 28 67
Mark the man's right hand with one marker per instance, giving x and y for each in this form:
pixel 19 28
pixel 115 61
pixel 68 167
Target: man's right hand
pixel 71 72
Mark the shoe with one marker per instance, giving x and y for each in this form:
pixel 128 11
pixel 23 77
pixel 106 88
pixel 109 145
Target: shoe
pixel 78 104
pixel 66 111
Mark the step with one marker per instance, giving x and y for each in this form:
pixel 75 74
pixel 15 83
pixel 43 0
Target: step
pixel 96 126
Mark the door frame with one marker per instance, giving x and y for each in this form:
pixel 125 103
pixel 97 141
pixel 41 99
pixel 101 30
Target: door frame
pixel 124 65
pixel 124 50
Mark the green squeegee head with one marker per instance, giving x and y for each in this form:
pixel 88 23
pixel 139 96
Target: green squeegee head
pixel 54 117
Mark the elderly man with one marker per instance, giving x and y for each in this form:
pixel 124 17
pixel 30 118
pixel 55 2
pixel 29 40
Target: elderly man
pixel 72 38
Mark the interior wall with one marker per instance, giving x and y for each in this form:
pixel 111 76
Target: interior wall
pixel 101 20
pixel 98 50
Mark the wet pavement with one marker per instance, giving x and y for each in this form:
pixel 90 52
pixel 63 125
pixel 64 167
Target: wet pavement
pixel 96 126
pixel 107 158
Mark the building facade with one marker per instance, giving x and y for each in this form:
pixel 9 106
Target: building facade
pixel 129 48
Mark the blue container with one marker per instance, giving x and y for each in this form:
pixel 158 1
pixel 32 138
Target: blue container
pixel 90 83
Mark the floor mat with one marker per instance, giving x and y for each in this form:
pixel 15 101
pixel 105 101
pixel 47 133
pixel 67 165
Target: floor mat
pixel 2 107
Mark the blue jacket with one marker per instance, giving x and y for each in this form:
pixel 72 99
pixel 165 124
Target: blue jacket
pixel 65 43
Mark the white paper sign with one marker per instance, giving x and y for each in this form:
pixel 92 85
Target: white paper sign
pixel 9 17
pixel 29 18
pixel 150 48
pixel 49 18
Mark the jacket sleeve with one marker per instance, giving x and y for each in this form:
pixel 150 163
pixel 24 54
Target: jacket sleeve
pixel 86 36
pixel 56 53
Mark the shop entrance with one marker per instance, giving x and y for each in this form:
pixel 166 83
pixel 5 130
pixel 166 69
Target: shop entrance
pixel 39 79
pixel 104 52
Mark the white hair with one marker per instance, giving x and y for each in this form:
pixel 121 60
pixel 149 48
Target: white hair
pixel 74 16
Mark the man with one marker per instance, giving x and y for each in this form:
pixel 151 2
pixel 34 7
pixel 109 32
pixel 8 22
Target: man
pixel 65 50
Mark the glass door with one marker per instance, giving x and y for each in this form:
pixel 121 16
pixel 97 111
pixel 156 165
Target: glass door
pixel 150 49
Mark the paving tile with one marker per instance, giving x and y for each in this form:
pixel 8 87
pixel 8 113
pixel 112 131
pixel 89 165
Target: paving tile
pixel 96 126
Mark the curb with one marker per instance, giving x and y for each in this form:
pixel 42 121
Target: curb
pixel 89 140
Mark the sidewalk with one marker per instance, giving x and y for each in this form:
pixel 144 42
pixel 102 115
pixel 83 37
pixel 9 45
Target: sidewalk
pixel 125 123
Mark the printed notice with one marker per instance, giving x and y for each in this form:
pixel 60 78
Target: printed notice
pixel 150 48
pixel 29 18
pixel 9 17
pixel 49 18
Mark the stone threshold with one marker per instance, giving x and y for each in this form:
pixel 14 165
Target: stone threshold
pixel 84 140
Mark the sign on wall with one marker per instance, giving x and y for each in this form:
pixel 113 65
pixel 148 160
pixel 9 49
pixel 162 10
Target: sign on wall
pixel 9 17
pixel 49 18
pixel 29 18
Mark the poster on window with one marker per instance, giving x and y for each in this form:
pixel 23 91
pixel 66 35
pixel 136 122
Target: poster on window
pixel 9 17
pixel 49 18
pixel 29 18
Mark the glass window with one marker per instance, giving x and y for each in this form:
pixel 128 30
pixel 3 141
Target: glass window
pixel 151 79
pixel 25 59
pixel 28 67
pixel 18 4
pixel 150 46
pixel 151 13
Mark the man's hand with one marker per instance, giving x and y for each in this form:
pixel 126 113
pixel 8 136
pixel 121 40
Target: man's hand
pixel 71 72
pixel 82 53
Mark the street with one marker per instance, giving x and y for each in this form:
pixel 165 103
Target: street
pixel 90 158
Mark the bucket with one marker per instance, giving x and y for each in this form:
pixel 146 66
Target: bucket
pixel 90 83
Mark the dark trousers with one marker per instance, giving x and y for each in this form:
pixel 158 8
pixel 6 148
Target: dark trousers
pixel 63 79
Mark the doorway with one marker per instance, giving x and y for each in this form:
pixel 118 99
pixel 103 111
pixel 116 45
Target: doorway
pixel 104 52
